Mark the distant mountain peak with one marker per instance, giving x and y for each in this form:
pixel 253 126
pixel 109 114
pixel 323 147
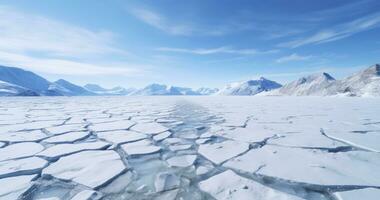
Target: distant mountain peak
pixel 249 87
pixel 262 78
pixel 69 89
pixel 23 78
pixel 162 89
pixel 328 76
pixel 207 91
pixel 62 81
pixel 94 87
pixel 373 70
pixel 99 90
pixel 318 77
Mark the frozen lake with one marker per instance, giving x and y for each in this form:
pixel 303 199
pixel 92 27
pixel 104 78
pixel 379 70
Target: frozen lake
pixel 190 148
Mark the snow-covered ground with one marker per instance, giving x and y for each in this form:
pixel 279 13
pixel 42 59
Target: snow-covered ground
pixel 205 147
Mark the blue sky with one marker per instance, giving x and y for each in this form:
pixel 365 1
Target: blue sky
pixel 188 43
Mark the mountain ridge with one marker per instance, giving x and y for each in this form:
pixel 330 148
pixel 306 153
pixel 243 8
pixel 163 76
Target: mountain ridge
pixel 248 87
pixel 19 82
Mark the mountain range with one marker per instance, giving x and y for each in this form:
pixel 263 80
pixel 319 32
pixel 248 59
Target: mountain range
pixel 18 82
pixel 363 83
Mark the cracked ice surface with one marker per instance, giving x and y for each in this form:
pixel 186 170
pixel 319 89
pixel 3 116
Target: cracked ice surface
pixel 189 148
pixel 229 185
pixel 66 149
pixel 21 166
pixel 94 169
pixel 311 166
pixel 23 136
pixel 119 137
pixel 12 187
pixel 140 148
pixel 367 194
pixel 220 152
pixel 19 150
pixel 67 137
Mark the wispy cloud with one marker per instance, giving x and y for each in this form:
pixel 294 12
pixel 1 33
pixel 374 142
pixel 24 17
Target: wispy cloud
pixel 189 28
pixel 293 57
pixel 160 22
pixel 50 46
pixel 69 67
pixel 27 33
pixel 338 32
pixel 219 50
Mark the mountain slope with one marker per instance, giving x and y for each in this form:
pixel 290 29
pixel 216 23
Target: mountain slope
pixel 160 89
pixel 28 80
pixel 313 85
pixel 207 91
pixel 184 90
pixel 94 88
pixel 250 87
pixel 156 89
pixel 23 78
pixel 363 83
pixel 69 89
pixel 9 89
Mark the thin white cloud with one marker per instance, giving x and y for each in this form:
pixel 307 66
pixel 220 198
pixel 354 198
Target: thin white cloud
pixel 45 45
pixel 68 67
pixel 293 57
pixel 32 33
pixel 189 28
pixel 219 50
pixel 160 22
pixel 338 32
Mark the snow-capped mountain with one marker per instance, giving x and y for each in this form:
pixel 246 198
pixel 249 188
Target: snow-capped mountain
pixel 156 89
pixel 313 85
pixel 363 83
pixel 19 82
pixel 184 90
pixel 161 89
pixel 250 87
pixel 9 89
pixel 69 89
pixel 94 88
pixel 27 79
pixel 207 91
